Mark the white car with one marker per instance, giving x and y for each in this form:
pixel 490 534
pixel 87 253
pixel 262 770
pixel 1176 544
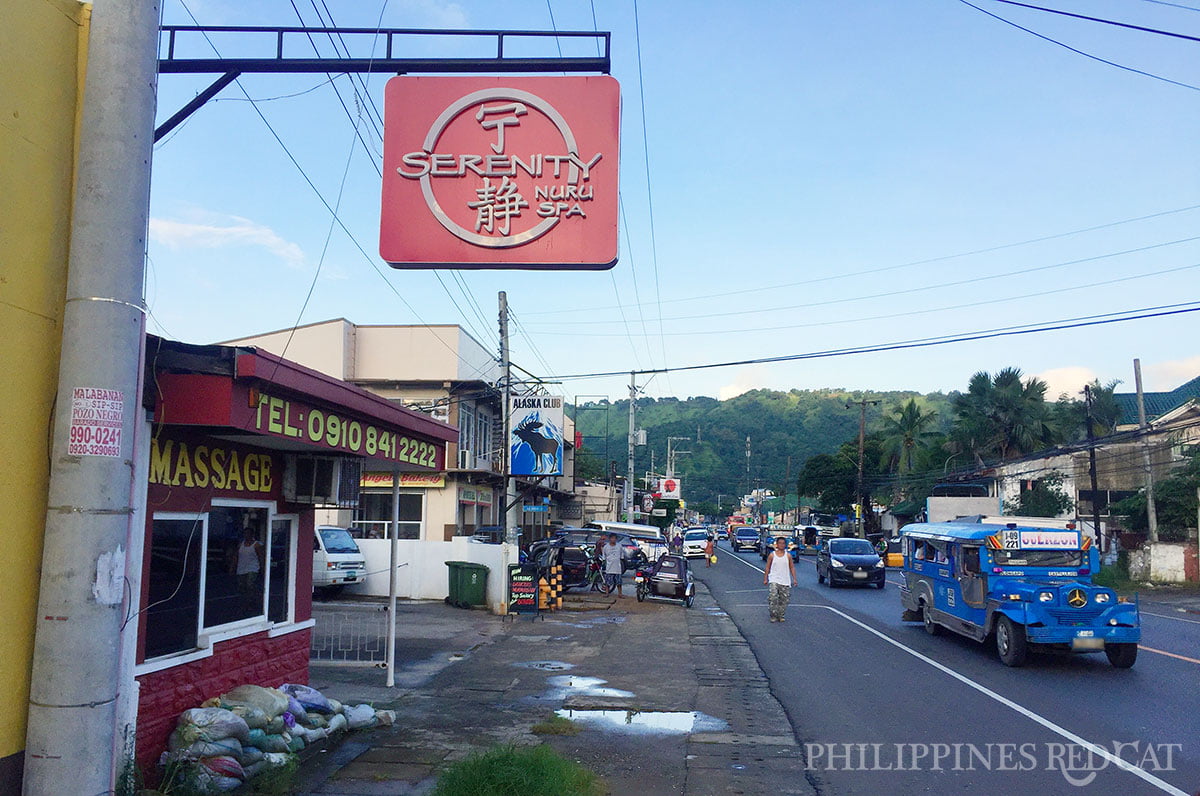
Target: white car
pixel 694 543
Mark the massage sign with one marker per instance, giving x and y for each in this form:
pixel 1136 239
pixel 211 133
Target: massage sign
pixel 494 172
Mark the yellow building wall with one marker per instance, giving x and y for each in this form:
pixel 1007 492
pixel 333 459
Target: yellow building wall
pixel 41 70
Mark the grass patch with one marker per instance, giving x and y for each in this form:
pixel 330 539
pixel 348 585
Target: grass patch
pixel 1115 577
pixel 555 725
pixel 525 770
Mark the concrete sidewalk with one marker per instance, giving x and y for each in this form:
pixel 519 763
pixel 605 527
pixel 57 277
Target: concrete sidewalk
pixel 669 700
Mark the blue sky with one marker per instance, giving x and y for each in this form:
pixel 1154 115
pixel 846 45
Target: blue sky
pixel 819 172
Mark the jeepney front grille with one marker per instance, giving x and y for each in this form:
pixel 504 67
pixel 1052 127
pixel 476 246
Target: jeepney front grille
pixel 1088 613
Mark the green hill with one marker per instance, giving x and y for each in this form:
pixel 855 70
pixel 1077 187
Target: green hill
pixel 796 424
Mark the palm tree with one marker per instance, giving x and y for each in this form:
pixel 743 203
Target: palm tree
pixel 1003 416
pixel 904 434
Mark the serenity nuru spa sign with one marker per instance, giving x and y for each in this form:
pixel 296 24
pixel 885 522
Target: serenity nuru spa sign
pixel 496 172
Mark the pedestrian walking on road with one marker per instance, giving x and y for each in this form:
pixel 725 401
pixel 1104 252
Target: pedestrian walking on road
pixel 709 551
pixel 779 578
pixel 613 566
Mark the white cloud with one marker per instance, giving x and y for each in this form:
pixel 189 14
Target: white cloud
pixel 222 232
pixel 1069 380
pixel 744 380
pixel 1164 376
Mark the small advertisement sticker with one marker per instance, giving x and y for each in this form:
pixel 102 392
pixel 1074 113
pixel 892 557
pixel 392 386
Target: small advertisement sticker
pixel 97 416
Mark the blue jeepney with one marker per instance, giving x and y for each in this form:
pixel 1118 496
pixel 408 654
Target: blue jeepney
pixel 1027 586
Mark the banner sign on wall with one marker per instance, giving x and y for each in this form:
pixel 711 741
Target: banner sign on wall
pixel 500 172
pixel 535 444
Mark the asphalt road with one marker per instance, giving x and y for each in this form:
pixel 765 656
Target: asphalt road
pixel 880 706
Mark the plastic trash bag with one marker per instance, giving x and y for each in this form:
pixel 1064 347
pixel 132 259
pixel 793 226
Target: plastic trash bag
pixel 210 724
pixel 297 710
pixel 360 716
pixel 310 698
pixel 256 718
pixel 337 723
pixel 251 755
pixel 267 742
pixel 269 700
pixel 224 766
pixel 180 749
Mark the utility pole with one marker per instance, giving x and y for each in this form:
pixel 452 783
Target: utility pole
pixel 783 493
pixel 628 498
pixel 671 454
pixel 748 486
pixel 512 515
pixel 1091 438
pixel 78 674
pixel 1151 513
pixel 862 442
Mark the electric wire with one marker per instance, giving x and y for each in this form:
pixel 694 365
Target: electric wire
pixel 1098 19
pixel 1078 51
pixel 1172 5
pixel 476 369
pixel 899 266
pixel 926 342
pixel 921 312
pixel 946 284
pixel 637 34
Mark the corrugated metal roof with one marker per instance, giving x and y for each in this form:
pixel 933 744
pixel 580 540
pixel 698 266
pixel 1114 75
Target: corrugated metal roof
pixel 1157 403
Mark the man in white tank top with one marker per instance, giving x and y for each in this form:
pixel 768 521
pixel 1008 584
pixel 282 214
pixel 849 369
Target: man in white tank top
pixel 779 578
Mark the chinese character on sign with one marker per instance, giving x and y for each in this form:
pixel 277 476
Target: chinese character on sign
pixel 497 203
pixel 515 108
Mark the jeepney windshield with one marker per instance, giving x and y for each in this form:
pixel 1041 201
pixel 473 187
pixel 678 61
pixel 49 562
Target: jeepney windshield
pixel 1038 558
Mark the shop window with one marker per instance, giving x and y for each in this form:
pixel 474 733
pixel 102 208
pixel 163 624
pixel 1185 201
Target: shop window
pixel 235 564
pixel 466 428
pixel 173 610
pixel 281 554
pixel 373 517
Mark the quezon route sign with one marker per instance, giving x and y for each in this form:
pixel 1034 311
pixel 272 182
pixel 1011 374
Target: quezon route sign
pixel 498 172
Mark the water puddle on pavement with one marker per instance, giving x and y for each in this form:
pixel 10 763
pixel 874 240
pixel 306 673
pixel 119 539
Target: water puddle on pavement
pixel 567 684
pixel 546 666
pixel 592 622
pixel 647 721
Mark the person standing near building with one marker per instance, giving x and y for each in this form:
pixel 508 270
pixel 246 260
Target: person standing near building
pixel 779 578
pixel 613 566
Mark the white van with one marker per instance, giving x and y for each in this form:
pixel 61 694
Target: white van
pixel 648 537
pixel 336 559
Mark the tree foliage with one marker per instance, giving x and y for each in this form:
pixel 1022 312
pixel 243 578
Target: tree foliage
pixel 1175 504
pixel 1045 499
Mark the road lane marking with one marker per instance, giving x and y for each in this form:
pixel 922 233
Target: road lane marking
pixel 1095 749
pixel 1169 654
pixel 1168 616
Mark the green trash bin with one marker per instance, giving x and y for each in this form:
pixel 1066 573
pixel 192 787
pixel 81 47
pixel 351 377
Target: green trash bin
pixel 468 584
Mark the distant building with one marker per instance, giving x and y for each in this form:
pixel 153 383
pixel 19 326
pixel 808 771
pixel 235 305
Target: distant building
pixel 442 371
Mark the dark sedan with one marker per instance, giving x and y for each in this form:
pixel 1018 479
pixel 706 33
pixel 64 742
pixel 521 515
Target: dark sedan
pixel 744 537
pixel 851 561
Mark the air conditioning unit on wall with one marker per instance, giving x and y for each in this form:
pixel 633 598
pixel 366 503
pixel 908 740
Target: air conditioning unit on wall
pixel 466 460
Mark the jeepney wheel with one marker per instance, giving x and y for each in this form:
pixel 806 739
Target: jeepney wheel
pixel 689 601
pixel 931 627
pixel 1121 656
pixel 1010 642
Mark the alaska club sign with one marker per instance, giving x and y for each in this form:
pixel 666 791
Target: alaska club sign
pixel 494 172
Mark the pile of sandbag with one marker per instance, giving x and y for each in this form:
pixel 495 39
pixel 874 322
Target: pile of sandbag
pixel 251 729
